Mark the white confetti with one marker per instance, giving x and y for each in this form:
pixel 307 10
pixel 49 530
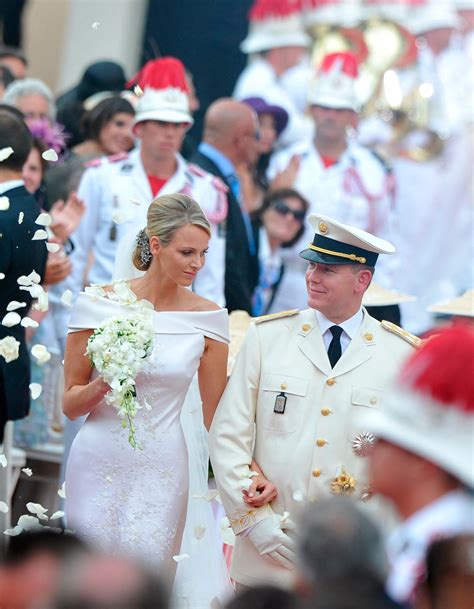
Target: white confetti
pixel 5 153
pixel 95 291
pixel 53 247
pixel 4 507
pixel 11 319
pixel 199 531
pixel 35 390
pixel 95 25
pixel 66 298
pixel 180 557
pixel 27 522
pixel 298 496
pixel 43 301
pixel 13 305
pixel 9 348
pixel 3 460
pixel 58 514
pixel 50 155
pixel 2 275
pixel 135 201
pixel 34 277
pixel 41 354
pixel 21 215
pixel 39 235
pixel 109 480
pixel 27 471
pixel 27 322
pixel 138 90
pixel 13 532
pixel 62 491
pixel 37 509
pixel 43 219
pixel 4 203
pixel 227 534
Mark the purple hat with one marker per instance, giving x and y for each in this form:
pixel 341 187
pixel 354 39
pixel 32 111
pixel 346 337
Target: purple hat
pixel 261 107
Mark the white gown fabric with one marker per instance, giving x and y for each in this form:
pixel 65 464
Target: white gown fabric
pixel 137 502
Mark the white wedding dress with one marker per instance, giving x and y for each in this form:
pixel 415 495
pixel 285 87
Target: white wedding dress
pixel 151 504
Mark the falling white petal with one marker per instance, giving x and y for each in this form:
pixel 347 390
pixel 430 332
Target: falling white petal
pixel 2 275
pixel 227 534
pixel 35 390
pixel 28 522
pixel 11 319
pixel 5 153
pixel 138 90
pixel 50 155
pixel 4 203
pixel 95 25
pixel 27 471
pixel 4 507
pixel 21 215
pixel 298 496
pixel 23 280
pixel 108 479
pixel 199 531
pixel 180 557
pixel 53 247
pixel 39 235
pixel 135 201
pixel 62 491
pixel 43 300
pixel 66 298
pixel 3 460
pixel 13 305
pixel 43 219
pixel 27 322
pixel 35 278
pixel 9 348
pixel 58 514
pixel 13 532
pixel 40 353
pixel 36 508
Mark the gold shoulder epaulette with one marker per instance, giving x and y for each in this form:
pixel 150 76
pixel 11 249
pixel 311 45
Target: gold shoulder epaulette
pixel 272 316
pixel 415 341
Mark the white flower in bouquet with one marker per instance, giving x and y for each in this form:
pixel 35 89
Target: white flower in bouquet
pixel 118 348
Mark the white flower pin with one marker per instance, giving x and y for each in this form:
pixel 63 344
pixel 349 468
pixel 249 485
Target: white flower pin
pixel 50 155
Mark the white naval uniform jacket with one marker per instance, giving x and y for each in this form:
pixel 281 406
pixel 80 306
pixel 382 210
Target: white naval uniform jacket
pixel 303 450
pixel 357 190
pixel 117 194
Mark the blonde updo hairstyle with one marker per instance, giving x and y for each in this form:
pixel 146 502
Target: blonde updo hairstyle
pixel 166 215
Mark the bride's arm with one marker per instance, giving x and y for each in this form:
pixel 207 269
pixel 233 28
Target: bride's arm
pixel 81 395
pixel 212 375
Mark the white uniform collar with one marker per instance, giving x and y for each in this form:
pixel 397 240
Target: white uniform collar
pixel 350 326
pixel 10 185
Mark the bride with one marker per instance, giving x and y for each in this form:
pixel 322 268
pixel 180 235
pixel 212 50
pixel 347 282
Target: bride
pixel 152 503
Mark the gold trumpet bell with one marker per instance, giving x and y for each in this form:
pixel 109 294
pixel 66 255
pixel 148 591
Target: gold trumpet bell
pixel 335 39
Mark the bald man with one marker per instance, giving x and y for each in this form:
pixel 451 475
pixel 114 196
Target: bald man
pixel 230 139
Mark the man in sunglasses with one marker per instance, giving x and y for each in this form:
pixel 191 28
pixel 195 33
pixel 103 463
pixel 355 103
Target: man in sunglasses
pixel 294 401
pixel 339 177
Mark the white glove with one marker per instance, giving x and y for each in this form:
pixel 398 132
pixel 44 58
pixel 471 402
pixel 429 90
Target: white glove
pixel 271 541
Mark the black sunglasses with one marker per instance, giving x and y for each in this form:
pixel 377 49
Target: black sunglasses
pixel 284 210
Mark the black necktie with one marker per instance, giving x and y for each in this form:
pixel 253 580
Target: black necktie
pixel 335 350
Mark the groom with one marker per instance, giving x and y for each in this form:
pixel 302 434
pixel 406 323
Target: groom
pixel 293 400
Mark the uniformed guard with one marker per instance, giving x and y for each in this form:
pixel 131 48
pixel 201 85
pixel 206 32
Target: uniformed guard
pixel 300 382
pixel 339 177
pixel 118 190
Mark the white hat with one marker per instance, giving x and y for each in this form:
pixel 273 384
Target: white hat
pixel 333 86
pixel 341 13
pixel 377 296
pixel 462 306
pixel 165 94
pixel 432 16
pixel 430 411
pixel 274 24
pixel 338 243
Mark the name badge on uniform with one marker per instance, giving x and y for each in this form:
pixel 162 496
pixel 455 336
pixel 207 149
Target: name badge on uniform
pixel 280 403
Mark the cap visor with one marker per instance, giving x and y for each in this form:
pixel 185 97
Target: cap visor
pixel 313 256
pixel 167 116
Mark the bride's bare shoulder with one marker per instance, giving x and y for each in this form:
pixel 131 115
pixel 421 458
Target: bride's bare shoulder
pixel 198 303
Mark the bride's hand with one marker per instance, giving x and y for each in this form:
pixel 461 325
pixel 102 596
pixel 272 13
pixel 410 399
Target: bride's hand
pixel 100 386
pixel 260 492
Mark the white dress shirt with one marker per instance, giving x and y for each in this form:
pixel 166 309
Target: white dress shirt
pixel 349 327
pixel 10 185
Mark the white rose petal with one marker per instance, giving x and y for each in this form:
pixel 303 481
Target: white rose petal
pixel 180 557
pixel 66 298
pixel 21 215
pixel 4 203
pixel 227 534
pixel 5 153
pixel 37 509
pixel 34 277
pixel 27 322
pixel 28 522
pixel 2 275
pixel 96 291
pixel 9 348
pixel 138 90
pixel 109 480
pixel 11 319
pixel 50 155
pixel 62 491
pixel 23 280
pixel 13 532
pixel 298 496
pixel 199 531
pixel 35 390
pixel 43 301
pixel 4 507
pixel 40 353
pixel 27 471
pixel 13 305
pixel 95 25
pixel 58 514
pixel 39 235
pixel 3 460
pixel 135 201
pixel 53 247
pixel 43 219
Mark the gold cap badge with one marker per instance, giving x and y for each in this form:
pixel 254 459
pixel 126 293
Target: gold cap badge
pixel 323 228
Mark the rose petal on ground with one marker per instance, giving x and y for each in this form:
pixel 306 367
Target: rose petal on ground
pixel 21 215
pixel 13 305
pixel 27 471
pixel 11 319
pixel 4 507
pixel 50 155
pixel 180 557
pixel 35 390
pixel 39 235
pixel 66 298
pixel 62 491
pixel 5 153
pixel 4 203
pixel 43 219
pixel 27 322
pixel 53 247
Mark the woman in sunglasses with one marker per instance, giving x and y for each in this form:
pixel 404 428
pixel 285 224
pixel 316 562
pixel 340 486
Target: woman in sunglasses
pixel 279 223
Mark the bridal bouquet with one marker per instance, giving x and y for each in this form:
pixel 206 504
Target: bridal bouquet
pixel 118 348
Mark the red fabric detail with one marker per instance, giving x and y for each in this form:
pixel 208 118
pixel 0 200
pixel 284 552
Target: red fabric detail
pixel 219 184
pixel 164 73
pixel 156 184
pixel 436 369
pixel 120 156
pixel 267 9
pixel 348 59
pixel 328 161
